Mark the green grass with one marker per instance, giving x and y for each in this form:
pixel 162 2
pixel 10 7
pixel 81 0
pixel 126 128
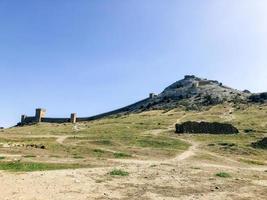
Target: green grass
pixel 2 158
pixel 130 134
pixel 223 175
pixel 30 166
pixel 121 155
pixel 118 172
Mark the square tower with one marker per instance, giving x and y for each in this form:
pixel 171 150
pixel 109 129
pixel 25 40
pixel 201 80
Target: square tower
pixel 73 118
pixel 152 95
pixel 39 114
pixel 23 118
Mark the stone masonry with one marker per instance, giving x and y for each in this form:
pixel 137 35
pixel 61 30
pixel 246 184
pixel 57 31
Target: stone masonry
pixel 206 127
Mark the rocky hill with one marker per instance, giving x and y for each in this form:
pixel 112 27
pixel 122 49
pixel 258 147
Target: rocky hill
pixel 194 92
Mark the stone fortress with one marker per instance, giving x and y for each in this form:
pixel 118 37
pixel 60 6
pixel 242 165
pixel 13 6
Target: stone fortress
pixel 40 114
pixel 191 92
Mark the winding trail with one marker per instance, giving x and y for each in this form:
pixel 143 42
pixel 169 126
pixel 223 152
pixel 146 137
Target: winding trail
pixel 192 150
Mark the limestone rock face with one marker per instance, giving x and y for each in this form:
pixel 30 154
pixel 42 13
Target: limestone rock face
pixel 206 127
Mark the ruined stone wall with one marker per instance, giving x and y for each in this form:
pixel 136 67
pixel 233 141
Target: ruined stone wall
pixel 28 120
pixel 206 127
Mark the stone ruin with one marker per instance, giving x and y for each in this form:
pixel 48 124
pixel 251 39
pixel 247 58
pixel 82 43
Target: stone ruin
pixel 205 127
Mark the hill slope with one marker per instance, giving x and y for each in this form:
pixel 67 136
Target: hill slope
pixel 138 155
pixel 193 93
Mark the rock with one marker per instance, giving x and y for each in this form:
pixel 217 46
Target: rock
pixel 258 98
pixel 247 91
pixel 206 127
pixel 262 144
pixel 37 146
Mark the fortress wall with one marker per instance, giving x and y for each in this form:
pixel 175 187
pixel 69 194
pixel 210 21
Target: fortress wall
pixel 55 120
pixel 121 110
pixel 29 120
pixel 40 117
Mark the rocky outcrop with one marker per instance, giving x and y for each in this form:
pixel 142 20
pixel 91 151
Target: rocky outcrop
pixel 262 144
pixel 193 92
pixel 206 127
pixel 258 98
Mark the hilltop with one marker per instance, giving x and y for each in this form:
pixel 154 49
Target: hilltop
pixel 193 93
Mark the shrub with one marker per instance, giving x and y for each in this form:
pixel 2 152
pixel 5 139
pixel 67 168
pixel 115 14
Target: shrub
pixel 121 155
pixel 118 172
pixel 223 175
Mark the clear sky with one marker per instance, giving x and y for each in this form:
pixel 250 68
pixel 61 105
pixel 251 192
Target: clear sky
pixel 91 56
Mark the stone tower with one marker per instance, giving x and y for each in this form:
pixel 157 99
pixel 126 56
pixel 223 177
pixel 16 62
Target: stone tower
pixel 23 117
pixel 39 114
pixel 73 118
pixel 152 95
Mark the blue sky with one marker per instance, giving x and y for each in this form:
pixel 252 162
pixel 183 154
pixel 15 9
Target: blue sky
pixel 91 56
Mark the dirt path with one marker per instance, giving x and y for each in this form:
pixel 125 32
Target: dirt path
pixel 192 150
pixel 61 139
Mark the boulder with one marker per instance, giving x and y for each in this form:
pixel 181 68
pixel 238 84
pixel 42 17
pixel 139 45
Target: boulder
pixel 262 144
pixel 206 127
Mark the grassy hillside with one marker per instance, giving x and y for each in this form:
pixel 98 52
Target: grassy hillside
pixel 148 135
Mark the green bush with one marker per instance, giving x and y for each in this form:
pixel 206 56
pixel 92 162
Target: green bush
pixel 118 172
pixel 121 155
pixel 223 175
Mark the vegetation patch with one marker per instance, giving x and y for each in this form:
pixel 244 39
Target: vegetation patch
pixel 29 156
pixel 121 155
pixel 98 152
pixel 226 144
pixel 31 166
pixel 2 158
pixel 223 175
pixel 118 172
pixel 78 157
